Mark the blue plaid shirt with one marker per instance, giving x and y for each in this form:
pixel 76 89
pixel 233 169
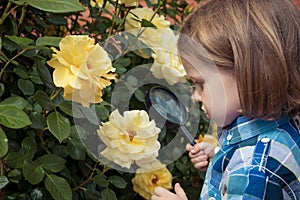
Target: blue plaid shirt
pixel 258 160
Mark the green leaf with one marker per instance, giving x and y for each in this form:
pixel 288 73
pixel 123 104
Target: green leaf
pixel 125 62
pixel 100 180
pixel 78 111
pixel 38 121
pixel 58 125
pixel 13 117
pixel 34 76
pixel 57 6
pixel 132 80
pixel 19 2
pixel 146 23
pixel 16 101
pixel 48 41
pixel 58 187
pixel 33 172
pixel 71 109
pixel 29 146
pixel 60 150
pixel 15 175
pixel 118 20
pixel 26 86
pixel 15 159
pixel 89 114
pixel 177 152
pixel 2 89
pixel 108 194
pixel 117 181
pixel 102 112
pixel 23 42
pixel 139 95
pixel 22 73
pixel 52 162
pixel 44 73
pixel 44 100
pixel 76 149
pixel 3 143
pixel 3 181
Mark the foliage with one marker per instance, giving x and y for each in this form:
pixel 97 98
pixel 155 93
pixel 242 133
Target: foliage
pixel 42 148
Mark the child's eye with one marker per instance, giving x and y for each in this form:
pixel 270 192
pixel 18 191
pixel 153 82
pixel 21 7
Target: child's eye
pixel 197 85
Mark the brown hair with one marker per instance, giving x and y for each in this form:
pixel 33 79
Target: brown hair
pixel 260 41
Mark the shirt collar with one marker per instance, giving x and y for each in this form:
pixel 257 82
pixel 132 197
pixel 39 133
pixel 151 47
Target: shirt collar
pixel 244 128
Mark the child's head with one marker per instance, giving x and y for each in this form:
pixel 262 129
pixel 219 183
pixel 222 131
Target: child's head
pixel 257 42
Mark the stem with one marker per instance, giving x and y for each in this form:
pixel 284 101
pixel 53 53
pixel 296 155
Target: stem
pixel 56 93
pixel 74 22
pixel 6 12
pixel 126 14
pixel 22 15
pixel 5 66
pixel 40 134
pixel 143 29
pixel 89 179
pixel 103 6
pixel 117 12
pixel 2 168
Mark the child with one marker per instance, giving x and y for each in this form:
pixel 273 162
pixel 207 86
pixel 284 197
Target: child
pixel 253 92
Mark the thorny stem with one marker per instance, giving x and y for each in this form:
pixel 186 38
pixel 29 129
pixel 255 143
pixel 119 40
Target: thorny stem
pixel 90 178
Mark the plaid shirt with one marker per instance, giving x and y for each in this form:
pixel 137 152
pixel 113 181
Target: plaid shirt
pixel 258 160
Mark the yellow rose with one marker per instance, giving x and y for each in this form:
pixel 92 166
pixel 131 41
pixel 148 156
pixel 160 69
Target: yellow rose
pixel 96 2
pixel 154 1
pixel 212 138
pixel 130 139
pixel 130 2
pixel 150 36
pixel 207 138
pixel 82 69
pixel 109 5
pixel 167 63
pixel 146 181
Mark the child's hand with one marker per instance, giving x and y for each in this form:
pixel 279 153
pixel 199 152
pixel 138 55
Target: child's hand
pixel 161 193
pixel 200 154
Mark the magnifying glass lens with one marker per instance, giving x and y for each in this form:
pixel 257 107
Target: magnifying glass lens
pixel 167 105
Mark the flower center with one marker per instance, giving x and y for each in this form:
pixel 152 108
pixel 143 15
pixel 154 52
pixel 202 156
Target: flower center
pixel 154 180
pixel 131 135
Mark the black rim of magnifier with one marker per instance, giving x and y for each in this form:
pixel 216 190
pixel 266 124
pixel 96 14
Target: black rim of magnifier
pixel 149 104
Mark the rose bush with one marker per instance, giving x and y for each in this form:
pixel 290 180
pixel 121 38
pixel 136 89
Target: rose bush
pixel 74 78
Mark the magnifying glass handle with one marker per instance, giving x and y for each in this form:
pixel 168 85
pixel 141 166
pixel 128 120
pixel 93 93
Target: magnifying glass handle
pixel 188 135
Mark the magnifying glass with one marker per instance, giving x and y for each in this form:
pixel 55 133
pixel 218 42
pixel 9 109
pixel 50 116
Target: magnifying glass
pixel 166 105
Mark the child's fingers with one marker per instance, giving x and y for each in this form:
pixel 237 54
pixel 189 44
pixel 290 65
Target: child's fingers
pixel 193 149
pixel 199 159
pixel 159 191
pixel 180 192
pixel 200 162
pixel 202 166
